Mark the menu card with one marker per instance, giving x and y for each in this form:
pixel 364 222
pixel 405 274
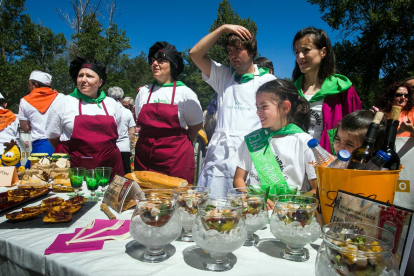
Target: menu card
pixel 356 208
pixel 8 176
pixel 119 189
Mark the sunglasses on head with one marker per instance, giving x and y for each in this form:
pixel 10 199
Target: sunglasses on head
pixel 397 95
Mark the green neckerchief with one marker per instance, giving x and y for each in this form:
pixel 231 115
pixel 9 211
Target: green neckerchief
pixel 266 165
pixel 171 84
pixel 332 85
pixel 249 76
pixel 77 94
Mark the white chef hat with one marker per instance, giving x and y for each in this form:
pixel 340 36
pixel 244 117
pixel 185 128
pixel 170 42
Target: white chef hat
pixel 1 96
pixel 42 77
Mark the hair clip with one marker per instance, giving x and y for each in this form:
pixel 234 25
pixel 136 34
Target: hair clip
pixel 374 109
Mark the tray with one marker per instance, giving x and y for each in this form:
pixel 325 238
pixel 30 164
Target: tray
pixel 21 203
pixel 37 222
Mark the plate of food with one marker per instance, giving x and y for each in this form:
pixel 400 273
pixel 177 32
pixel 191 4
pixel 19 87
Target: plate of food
pixel 21 196
pixel 52 212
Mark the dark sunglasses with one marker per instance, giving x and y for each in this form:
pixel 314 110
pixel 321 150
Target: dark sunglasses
pixel 397 95
pixel 159 60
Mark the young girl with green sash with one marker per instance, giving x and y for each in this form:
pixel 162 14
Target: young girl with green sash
pixel 277 154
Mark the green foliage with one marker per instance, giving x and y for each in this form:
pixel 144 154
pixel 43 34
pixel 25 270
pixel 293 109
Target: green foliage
pixel 12 25
pixel 41 49
pixel 377 47
pixel 37 48
pixel 95 42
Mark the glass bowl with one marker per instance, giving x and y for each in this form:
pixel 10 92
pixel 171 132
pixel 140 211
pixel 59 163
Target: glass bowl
pixel 355 249
pixel 293 222
pixel 254 210
pixel 155 222
pixel 219 229
pixel 187 203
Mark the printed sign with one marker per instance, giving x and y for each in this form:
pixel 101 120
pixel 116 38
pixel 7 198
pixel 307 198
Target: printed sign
pixel 120 189
pixel 8 176
pixel 350 207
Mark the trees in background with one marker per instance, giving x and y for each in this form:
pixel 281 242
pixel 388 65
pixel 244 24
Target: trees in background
pixel 377 45
pixel 26 46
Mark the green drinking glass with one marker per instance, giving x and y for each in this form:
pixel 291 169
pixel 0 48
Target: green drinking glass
pixel 76 178
pixel 91 183
pixel 104 175
pixel 286 190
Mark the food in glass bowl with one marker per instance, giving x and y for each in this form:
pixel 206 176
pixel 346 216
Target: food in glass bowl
pixel 189 198
pixel 157 212
pixel 155 223
pixel 254 210
pixel 219 229
pixel 293 222
pixel 356 249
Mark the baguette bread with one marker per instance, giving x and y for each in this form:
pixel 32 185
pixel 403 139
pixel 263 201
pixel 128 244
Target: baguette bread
pixel 154 180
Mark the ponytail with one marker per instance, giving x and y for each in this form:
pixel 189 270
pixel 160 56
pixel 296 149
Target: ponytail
pixel 301 114
pixel 282 90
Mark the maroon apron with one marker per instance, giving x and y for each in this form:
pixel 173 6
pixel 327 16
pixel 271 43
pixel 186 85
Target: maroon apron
pixel 93 143
pixel 163 145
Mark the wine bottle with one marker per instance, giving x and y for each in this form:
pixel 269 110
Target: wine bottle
pixel 322 157
pixel 377 162
pixel 389 140
pixel 363 154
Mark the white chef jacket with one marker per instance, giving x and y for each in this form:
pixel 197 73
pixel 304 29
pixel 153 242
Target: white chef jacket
pixel 38 121
pixel 236 117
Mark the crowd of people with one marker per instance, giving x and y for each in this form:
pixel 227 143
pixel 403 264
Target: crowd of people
pixel 251 107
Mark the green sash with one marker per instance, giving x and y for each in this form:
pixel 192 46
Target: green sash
pixel 266 165
pixel 249 76
pixel 332 85
pixel 77 94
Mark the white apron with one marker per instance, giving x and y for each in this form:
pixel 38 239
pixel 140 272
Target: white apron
pixel 236 118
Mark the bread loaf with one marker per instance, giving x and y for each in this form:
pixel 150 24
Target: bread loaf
pixel 154 180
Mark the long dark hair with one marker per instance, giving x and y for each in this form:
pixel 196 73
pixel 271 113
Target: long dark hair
pixel 386 99
pixel 283 90
pixel 320 39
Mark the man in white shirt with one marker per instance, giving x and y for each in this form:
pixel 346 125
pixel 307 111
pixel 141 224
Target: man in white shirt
pixel 236 102
pixel 34 111
pixel 126 130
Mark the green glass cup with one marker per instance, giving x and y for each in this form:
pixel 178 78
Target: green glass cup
pixel 286 190
pixel 76 176
pixel 103 177
pixel 91 183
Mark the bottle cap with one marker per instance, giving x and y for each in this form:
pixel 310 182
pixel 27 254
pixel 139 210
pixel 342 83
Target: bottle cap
pixel 383 155
pixel 312 143
pixel 344 155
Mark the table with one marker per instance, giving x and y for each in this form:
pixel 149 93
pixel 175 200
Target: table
pixel 22 253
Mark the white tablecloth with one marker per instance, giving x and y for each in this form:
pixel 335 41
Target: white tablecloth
pixel 22 253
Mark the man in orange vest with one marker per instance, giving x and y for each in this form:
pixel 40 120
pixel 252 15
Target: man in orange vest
pixel 33 110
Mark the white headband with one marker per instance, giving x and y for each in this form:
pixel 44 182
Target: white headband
pixel 42 77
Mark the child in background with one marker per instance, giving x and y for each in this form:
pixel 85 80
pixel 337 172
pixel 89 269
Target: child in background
pixel 352 129
pixel 278 153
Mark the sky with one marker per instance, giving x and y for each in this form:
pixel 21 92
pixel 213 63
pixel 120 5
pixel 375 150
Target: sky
pixel 184 23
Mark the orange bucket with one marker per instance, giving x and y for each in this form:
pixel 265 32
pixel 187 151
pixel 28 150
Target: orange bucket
pixel 378 185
